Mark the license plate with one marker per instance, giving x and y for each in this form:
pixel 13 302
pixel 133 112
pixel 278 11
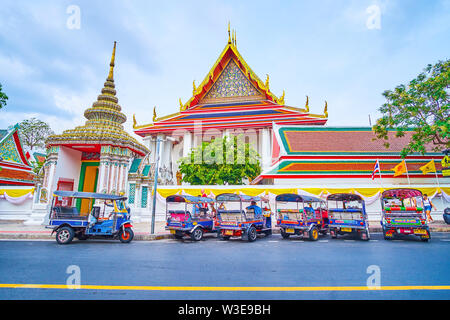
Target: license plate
pixel 290 230
pixel 172 231
pixel 420 231
pixel 346 229
pixel 229 232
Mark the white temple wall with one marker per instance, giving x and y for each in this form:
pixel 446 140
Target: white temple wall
pixel 16 208
pixel 67 167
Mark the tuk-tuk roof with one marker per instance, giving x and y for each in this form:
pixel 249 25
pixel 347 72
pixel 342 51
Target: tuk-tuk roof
pixel 401 193
pixel 236 197
pixel 292 197
pixel 88 195
pixel 186 198
pixel 344 197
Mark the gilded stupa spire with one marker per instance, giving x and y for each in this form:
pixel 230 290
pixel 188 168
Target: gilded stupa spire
pixel 111 65
pixel 104 120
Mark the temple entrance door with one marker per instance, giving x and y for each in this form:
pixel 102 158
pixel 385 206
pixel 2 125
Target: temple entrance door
pixel 88 183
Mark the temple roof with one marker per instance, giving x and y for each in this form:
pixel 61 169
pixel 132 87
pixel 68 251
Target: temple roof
pixel 14 166
pixel 231 95
pixel 103 125
pixel 339 152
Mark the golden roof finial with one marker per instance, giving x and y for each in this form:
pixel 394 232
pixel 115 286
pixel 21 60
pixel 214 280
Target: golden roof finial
pixel 111 65
pixel 181 105
pixel 267 82
pixel 325 111
pixel 134 121
pixel 307 104
pixel 232 37
pixel 235 38
pixel 154 114
pixel 229 36
pixel 281 100
pixel 194 88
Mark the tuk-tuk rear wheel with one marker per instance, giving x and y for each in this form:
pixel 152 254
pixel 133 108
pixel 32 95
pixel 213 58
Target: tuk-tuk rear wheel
pixel 251 234
pixel 197 234
pixel 313 234
pixel 284 234
pixel 65 235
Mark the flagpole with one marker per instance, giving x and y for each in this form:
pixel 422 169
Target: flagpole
pixel 407 174
pixel 379 172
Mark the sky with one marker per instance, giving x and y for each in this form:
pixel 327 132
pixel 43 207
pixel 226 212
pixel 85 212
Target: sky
pixel 54 55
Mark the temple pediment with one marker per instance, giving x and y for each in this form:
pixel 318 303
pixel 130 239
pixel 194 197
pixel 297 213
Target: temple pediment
pixel 232 85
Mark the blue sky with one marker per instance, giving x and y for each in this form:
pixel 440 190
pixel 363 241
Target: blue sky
pixel 323 49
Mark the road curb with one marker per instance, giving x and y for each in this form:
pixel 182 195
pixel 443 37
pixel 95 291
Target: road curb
pixel 141 236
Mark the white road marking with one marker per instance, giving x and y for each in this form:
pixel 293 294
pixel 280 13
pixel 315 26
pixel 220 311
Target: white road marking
pixel 323 240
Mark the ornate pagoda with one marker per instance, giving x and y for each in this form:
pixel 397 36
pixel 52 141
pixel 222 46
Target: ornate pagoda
pixel 94 157
pixel 231 99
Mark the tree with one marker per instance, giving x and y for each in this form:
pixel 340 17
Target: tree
pixel 3 97
pixel 423 107
pixel 33 133
pixel 221 161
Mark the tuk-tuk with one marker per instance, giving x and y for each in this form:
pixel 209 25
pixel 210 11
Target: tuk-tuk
pixel 188 215
pixel 101 216
pixel 236 218
pixel 402 213
pixel 347 215
pixel 301 215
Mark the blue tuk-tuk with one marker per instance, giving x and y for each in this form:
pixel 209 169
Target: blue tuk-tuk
pixel 86 215
pixel 403 214
pixel 347 215
pixel 236 220
pixel 189 215
pixel 301 215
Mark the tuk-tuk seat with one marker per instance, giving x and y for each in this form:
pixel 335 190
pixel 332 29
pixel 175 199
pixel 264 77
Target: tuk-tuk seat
pixel 179 215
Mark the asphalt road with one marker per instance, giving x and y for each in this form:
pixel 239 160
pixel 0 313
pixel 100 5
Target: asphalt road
pixel 171 269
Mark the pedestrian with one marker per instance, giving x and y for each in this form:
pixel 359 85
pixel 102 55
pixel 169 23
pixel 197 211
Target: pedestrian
pixel 427 205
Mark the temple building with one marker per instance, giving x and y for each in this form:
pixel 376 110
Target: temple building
pixel 95 157
pixel 231 99
pixel 16 176
pixel 299 152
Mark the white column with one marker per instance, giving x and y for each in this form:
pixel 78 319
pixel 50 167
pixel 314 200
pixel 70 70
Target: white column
pixel 187 143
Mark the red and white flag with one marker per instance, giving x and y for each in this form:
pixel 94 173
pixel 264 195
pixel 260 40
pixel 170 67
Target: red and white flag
pixel 376 168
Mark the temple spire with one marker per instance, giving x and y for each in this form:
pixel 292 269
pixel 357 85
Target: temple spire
pixel 229 35
pixel 111 65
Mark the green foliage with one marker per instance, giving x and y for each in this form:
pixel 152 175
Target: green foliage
pixel 33 133
pixel 3 97
pixel 423 107
pixel 226 160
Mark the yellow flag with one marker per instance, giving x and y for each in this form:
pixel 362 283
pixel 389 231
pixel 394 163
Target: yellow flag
pixel 429 167
pixel 399 169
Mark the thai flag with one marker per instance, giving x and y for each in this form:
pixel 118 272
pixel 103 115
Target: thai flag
pixel 375 169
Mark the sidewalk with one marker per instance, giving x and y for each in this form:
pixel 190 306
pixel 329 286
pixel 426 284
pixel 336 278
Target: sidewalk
pixel 14 229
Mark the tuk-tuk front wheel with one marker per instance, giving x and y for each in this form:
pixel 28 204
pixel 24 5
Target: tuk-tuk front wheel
pixel 197 234
pixel 125 236
pixel 65 235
